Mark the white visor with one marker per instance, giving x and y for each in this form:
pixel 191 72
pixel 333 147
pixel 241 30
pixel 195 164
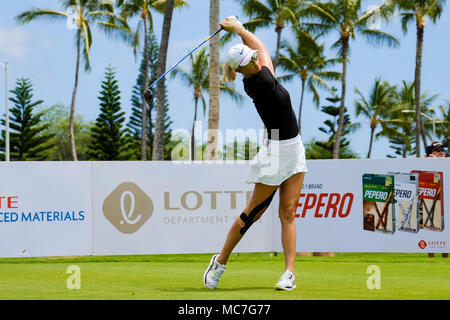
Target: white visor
pixel 239 55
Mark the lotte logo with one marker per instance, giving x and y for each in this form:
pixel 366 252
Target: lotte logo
pixel 128 207
pixel 422 244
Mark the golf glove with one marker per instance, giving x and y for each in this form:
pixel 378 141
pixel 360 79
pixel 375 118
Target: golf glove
pixel 233 25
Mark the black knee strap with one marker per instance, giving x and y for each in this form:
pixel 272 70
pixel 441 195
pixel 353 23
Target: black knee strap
pixel 249 219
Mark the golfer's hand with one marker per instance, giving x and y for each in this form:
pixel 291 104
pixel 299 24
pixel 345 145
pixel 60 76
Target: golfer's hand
pixel 232 24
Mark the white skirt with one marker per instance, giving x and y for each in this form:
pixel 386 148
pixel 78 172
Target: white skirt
pixel 277 160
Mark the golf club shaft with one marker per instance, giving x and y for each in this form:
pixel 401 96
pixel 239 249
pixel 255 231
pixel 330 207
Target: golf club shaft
pixel 187 55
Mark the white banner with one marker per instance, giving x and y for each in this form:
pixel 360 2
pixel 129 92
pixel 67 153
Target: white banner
pixel 102 208
pixel 168 207
pixel 330 213
pixel 45 209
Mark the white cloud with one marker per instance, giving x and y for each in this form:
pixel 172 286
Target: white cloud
pixel 13 42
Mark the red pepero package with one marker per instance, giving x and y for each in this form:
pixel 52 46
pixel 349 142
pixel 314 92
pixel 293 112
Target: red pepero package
pixel 431 198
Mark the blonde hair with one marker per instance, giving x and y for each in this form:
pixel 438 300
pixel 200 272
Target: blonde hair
pixel 228 73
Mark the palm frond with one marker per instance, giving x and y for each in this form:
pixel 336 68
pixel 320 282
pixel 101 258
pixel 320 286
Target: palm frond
pixel 129 9
pixel 136 38
pixel 87 42
pixel 384 11
pixel 232 92
pixel 380 37
pixel 329 75
pixel 115 31
pixel 435 9
pixel 255 8
pixel 183 75
pixel 286 78
pixel 322 12
pixel 316 95
pixel 407 18
pixel 253 24
pixel 36 14
pixel 319 81
pixel 160 5
pixel 225 39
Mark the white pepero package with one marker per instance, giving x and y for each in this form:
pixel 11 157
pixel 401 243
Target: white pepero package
pixel 406 196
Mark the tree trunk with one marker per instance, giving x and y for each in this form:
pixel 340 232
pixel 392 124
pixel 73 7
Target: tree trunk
pixel 214 82
pixel 277 53
pixel 417 82
pixel 144 87
pixel 193 151
pixel 158 143
pixel 300 108
pixel 372 130
pixel 150 130
pixel 337 141
pixel 423 134
pixel 74 94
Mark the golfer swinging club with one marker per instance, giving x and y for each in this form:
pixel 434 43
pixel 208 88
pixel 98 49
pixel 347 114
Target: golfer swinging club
pixel 280 162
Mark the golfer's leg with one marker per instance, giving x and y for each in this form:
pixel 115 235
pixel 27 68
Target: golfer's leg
pixel 260 194
pixel 289 196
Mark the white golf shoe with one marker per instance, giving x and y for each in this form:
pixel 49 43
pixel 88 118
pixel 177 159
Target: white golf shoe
pixel 286 282
pixel 213 273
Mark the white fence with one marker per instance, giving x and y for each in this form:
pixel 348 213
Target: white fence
pixel 102 208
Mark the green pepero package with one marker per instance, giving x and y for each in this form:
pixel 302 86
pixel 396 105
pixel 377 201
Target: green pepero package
pixel 378 203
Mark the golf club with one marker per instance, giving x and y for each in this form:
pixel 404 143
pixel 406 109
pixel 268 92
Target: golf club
pixel 148 93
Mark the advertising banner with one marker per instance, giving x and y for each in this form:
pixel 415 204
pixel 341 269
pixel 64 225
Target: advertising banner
pixel 108 208
pixel 372 206
pixel 45 209
pixel 169 207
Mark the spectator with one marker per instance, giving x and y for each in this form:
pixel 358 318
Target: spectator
pixel 435 150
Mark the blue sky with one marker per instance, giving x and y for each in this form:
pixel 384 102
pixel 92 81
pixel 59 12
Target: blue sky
pixel 45 52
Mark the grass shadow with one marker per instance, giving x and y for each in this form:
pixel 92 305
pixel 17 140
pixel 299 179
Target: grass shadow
pixel 203 289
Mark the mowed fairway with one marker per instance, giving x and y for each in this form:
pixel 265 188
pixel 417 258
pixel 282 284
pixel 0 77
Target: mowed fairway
pixel 248 276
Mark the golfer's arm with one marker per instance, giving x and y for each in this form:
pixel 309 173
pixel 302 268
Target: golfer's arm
pixel 252 41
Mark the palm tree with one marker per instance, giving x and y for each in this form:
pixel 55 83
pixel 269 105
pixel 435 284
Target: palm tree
pixel 275 13
pixel 419 10
pixel 198 77
pixel 214 81
pixel 307 60
pixel 426 108
pixel 143 9
pixel 377 107
pixel 87 13
pixel 443 125
pixel 401 128
pixel 345 17
pixel 158 142
pixel 401 133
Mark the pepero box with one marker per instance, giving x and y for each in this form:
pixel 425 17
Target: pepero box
pixel 431 199
pixel 406 196
pixel 378 203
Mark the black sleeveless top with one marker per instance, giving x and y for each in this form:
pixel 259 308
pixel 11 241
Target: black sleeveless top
pixel 273 103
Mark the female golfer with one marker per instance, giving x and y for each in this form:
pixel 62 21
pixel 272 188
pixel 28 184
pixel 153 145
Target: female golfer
pixel 280 163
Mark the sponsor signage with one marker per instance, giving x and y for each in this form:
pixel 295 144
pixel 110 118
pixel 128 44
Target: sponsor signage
pixel 45 209
pixel 190 208
pixel 102 208
pixel 372 206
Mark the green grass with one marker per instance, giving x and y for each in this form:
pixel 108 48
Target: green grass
pixel 248 276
